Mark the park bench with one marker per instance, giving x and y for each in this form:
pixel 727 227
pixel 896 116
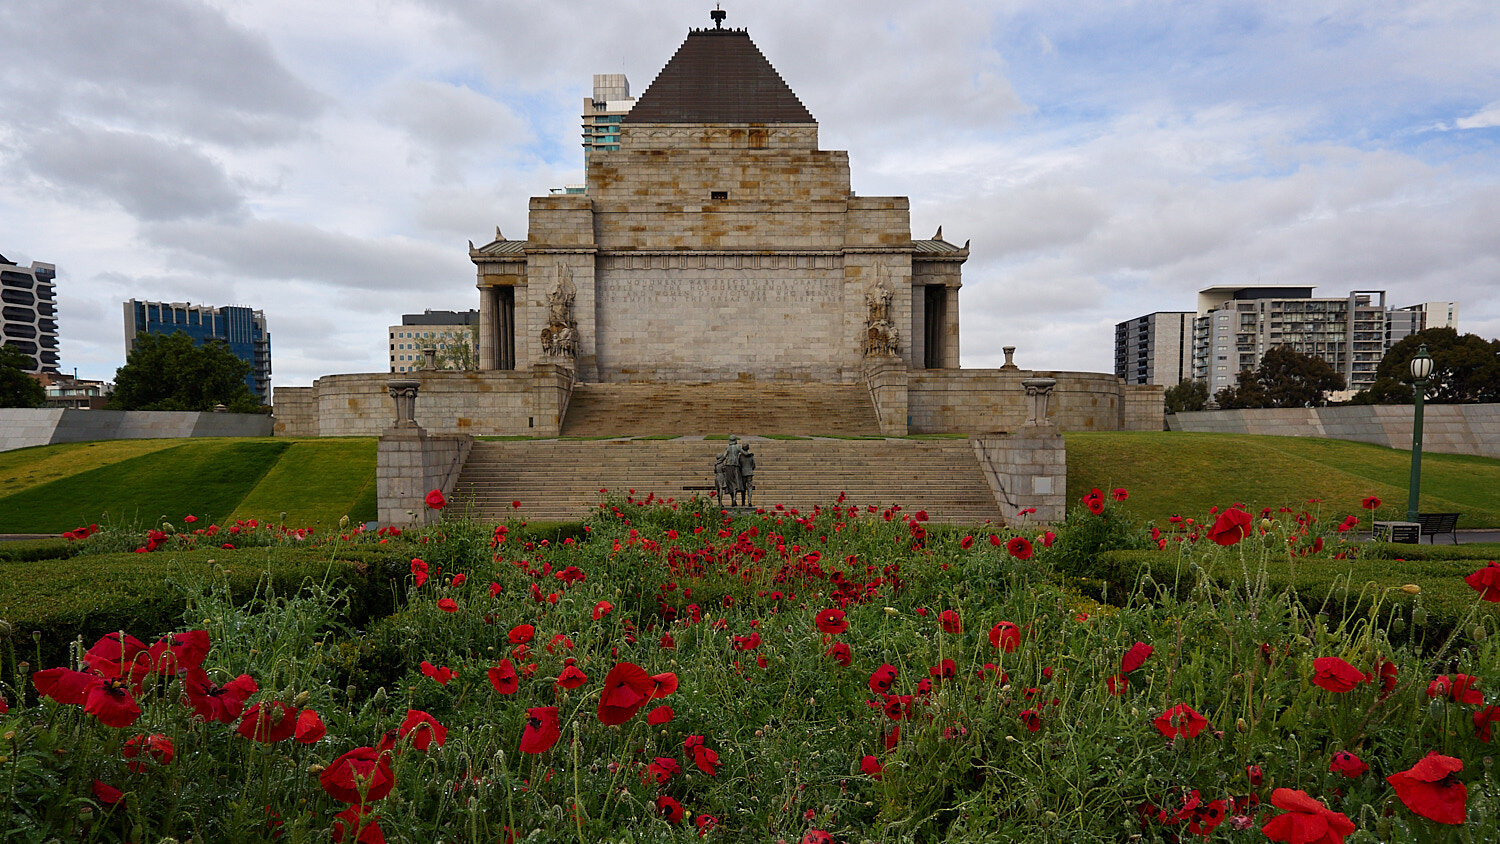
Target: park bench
pixel 1436 523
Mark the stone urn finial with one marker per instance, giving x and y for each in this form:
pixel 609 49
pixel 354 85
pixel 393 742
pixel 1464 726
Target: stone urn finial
pixel 404 392
pixel 1038 390
pixel 1010 357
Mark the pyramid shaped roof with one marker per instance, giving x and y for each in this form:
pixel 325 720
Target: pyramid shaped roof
pixel 718 76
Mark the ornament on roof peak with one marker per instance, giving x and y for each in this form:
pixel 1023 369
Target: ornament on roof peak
pixel 718 14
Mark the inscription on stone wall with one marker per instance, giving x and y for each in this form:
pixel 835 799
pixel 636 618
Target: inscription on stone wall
pixel 725 288
pixel 713 323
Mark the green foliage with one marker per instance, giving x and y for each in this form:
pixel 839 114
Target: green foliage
pixel 1284 378
pixel 1464 369
pixel 1187 396
pixel 17 387
pixel 316 482
pixel 33 550
pixel 169 372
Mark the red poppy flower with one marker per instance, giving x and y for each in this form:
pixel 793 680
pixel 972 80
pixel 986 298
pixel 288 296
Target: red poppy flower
pixel 1336 675
pixel 831 621
pixel 107 794
pixel 503 678
pixel 1429 788
pixel 1483 720
pixel 1005 636
pixel 447 605
pixel 1255 775
pixel 359 776
pixel 1180 720
pixel 1387 673
pixel 1117 683
pixel 660 771
pixel 217 703
pixel 435 500
pixel 157 748
pixel 1346 763
pixel 423 730
pixel 1370 503
pixel 703 758
pixel 669 808
pixel 1031 719
pixel 357 824
pixel 1019 547
pixel 966 543
pixel 439 674
pixel 660 715
pixel 1459 689
pixel 602 609
pixel 1306 820
pixel 945 670
pixel 1119 494
pixel 179 651
pixel 817 836
pixel 310 726
pixel 1135 657
pixel 871 767
pixel 268 722
pixel 747 643
pixel 1047 538
pixel 1486 582
pixel 949 620
pixel 521 634
pixel 1231 526
pixel 705 824
pixel 571 677
pixel 627 688
pixel 883 679
pixel 995 541
pixel 665 683
pixel 839 652
pixel 114 655
pixel 419 571
pixel 542 730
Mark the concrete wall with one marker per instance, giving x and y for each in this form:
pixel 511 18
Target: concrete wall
pixel 23 427
pixel 1446 428
pixel 958 401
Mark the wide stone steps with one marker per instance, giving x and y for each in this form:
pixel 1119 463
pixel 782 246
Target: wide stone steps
pixel 720 407
pixel 558 480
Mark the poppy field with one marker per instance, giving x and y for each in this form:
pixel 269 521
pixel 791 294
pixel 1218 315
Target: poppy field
pixel 670 672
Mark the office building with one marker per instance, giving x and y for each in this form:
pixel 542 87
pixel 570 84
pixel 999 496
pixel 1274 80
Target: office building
pixel 242 329
pixel 1155 348
pixel 602 113
pixel 452 336
pixel 28 312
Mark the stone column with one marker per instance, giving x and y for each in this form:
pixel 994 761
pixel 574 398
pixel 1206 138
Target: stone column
pixel 950 329
pixel 489 325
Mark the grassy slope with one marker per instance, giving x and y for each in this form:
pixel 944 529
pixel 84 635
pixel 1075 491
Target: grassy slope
pixel 1173 472
pixel 315 482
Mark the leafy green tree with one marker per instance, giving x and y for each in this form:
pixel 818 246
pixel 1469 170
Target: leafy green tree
pixel 1293 379
pixel 169 372
pixel 1246 393
pixel 1465 368
pixel 1188 395
pixel 17 387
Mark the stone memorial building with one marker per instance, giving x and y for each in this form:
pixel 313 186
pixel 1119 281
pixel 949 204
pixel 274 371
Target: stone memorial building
pixel 719 259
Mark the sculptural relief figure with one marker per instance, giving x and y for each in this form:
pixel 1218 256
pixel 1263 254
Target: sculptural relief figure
pixel 560 337
pixel 881 336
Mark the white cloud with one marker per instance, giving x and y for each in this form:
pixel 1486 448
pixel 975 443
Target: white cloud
pixel 1485 118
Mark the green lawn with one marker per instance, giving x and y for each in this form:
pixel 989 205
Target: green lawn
pixel 1172 472
pixel 315 482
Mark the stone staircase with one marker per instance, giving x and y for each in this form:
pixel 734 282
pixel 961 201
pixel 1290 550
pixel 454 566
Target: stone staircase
pixel 720 407
pixel 558 480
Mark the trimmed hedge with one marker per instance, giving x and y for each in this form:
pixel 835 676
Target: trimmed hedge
pixel 31 550
pixel 90 596
pixel 1341 588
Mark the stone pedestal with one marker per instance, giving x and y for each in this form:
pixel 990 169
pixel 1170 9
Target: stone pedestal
pixel 1026 469
pixel 887 379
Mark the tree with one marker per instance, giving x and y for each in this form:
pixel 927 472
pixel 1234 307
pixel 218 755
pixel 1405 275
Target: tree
pixel 169 372
pixel 459 350
pixel 1465 368
pixel 17 387
pixel 1285 378
pixel 1187 396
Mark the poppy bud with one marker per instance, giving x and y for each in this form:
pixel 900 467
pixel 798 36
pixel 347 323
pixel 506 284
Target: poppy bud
pixel 1419 616
pixel 300 699
pixel 1412 589
pixel 1477 632
pixel 1398 624
pixel 1240 726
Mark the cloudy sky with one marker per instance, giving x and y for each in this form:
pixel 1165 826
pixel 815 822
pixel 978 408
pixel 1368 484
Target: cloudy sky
pixel 327 162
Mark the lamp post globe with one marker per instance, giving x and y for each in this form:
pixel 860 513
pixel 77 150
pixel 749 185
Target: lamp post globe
pixel 1421 370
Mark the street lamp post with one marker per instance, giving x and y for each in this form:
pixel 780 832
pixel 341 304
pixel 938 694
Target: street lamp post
pixel 1421 368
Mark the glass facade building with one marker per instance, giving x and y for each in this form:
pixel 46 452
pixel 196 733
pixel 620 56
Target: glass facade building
pixel 242 329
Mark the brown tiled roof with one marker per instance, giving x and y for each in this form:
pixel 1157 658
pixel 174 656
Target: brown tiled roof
pixel 718 76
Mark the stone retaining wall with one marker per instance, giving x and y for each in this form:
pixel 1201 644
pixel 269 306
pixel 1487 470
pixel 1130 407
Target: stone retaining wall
pixel 958 401
pixel 494 403
pixel 1446 428
pixel 24 427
